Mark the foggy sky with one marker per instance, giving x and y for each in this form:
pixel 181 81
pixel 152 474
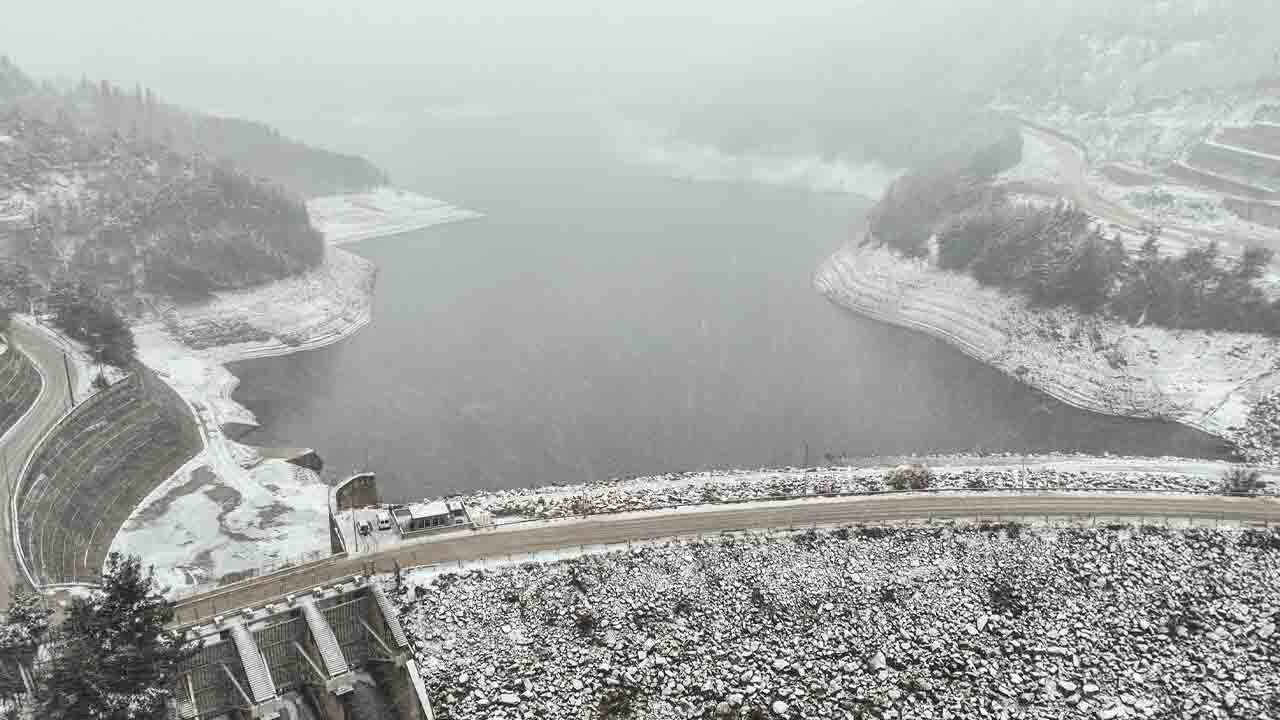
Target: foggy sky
pixel 286 61
pixel 257 57
pixel 235 54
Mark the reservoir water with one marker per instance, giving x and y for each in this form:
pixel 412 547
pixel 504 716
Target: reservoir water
pixel 602 320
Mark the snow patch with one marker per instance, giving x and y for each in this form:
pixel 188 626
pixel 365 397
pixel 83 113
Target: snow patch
pixel 230 509
pixel 1039 161
pixel 380 212
pixel 1205 380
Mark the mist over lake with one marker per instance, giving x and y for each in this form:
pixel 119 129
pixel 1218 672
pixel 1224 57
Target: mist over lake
pixel 605 320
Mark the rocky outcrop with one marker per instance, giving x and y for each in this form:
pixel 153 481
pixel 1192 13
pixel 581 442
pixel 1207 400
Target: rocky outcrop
pixel 1204 380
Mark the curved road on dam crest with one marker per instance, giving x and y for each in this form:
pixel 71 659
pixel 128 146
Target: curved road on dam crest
pixel 21 439
pixel 538 536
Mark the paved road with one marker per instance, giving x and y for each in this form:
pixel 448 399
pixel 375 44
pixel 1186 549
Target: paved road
pixel 1074 171
pixel 605 529
pixel 1075 186
pixel 21 440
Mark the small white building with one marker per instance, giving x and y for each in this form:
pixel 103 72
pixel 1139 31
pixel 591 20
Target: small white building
pixel 434 515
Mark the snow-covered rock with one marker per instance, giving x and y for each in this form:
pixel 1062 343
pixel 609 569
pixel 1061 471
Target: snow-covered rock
pixel 1083 622
pixel 1205 380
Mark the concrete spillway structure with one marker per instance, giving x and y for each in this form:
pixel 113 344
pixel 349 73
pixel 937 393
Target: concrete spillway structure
pixel 261 699
pixel 331 648
pixel 336 670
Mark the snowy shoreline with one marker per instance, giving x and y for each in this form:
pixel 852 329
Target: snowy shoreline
pixel 1206 381
pixel 230 509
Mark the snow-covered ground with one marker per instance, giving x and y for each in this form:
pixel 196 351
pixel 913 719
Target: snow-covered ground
pixel 1176 475
pixel 385 211
pixel 231 510
pixel 1205 380
pixel 1184 211
pixel 948 621
pixel 1157 132
pixel 1039 162
pixel 82 368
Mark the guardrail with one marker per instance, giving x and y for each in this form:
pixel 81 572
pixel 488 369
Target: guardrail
pixel 199 608
pixel 301 560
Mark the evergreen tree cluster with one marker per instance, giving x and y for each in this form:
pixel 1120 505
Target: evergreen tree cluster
pixel 914 205
pixel 80 311
pixel 146 219
pixel 1057 256
pixel 142 199
pixel 113 657
pixel 103 110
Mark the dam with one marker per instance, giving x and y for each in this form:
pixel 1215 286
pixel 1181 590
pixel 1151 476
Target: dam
pixel 334 652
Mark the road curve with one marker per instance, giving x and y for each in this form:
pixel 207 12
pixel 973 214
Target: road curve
pixel 608 529
pixel 1075 186
pixel 21 439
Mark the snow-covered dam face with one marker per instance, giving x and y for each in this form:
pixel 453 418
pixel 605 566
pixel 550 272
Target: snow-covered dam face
pixel 603 320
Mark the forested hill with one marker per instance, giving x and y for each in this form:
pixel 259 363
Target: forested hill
pixel 139 115
pixel 130 217
pixel 894 86
pixel 263 151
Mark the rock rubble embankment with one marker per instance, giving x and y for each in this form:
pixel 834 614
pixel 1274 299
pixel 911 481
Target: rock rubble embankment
pixel 719 486
pixel 947 622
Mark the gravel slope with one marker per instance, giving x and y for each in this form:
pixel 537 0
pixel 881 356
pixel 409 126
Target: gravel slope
pixel 947 622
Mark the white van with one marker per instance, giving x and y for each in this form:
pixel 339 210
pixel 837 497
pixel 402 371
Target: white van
pixel 384 521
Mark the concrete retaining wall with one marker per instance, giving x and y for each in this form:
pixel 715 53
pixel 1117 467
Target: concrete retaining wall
pixel 91 469
pixel 1263 213
pixel 19 386
pixel 1225 185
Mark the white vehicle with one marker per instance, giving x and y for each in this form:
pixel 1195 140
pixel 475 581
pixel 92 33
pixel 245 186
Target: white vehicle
pixel 384 521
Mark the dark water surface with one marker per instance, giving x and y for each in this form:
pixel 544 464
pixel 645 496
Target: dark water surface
pixel 603 321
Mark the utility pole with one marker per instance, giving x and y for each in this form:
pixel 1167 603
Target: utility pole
pixel 71 390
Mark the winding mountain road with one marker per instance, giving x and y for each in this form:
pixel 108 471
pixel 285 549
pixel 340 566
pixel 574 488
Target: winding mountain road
pixel 21 439
pixel 634 526
pixel 1073 184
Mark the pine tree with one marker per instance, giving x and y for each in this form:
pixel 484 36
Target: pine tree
pixel 118 661
pixel 1253 263
pixel 24 626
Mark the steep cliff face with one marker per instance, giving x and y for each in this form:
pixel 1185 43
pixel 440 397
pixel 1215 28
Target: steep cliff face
pixel 1204 380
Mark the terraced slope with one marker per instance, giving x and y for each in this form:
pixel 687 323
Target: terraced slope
pixel 1244 163
pixel 1263 138
pixel 19 386
pixel 88 475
